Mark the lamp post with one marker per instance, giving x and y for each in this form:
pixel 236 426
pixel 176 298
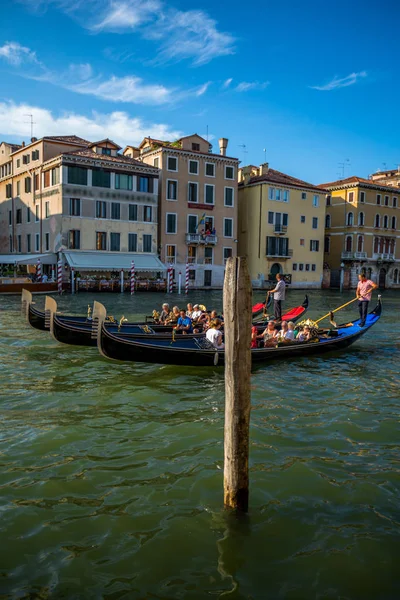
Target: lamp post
pixel 341 276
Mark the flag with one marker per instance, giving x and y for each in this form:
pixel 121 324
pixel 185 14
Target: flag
pixel 202 220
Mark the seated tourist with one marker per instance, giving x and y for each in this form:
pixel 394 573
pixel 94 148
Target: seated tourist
pixel 165 312
pixel 269 335
pixel 189 311
pixel 173 316
pixel 254 334
pixel 285 334
pixel 304 336
pixel 214 334
pixel 290 331
pixel 184 323
pixel 196 314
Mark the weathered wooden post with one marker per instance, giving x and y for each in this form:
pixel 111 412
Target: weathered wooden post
pixel 237 328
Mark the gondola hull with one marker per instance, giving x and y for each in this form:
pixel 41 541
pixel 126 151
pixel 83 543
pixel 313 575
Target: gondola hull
pixel 195 352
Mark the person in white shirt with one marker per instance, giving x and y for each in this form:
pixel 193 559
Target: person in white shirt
pixel 285 333
pixel 196 314
pixel 279 296
pixel 44 278
pixel 214 334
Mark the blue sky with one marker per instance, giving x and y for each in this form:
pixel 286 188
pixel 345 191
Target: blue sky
pixel 313 84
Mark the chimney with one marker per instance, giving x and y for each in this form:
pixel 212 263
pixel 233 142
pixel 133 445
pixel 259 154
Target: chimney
pixel 23 144
pixel 264 168
pixel 223 144
pixel 34 139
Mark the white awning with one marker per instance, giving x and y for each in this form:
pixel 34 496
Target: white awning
pixel 112 261
pixel 28 259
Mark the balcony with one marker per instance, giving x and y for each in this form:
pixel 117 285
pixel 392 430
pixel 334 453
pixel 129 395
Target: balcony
pixel 354 256
pixel 201 238
pixel 280 256
pixel 280 229
pixel 383 256
pixel 171 260
pixel 347 255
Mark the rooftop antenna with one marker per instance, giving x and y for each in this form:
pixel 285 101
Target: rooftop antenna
pixel 343 166
pixel 244 152
pixel 265 154
pixel 207 133
pixel 384 165
pixel 32 123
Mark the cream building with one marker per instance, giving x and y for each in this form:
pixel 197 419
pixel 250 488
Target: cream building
pixel 281 227
pixel 64 194
pixel 197 205
pixel 362 231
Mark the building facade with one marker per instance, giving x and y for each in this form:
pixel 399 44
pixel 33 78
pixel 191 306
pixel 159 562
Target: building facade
pixel 197 219
pixel 361 231
pixel 63 193
pixel 281 227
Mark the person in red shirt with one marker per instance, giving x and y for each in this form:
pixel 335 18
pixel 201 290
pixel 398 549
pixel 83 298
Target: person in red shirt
pixel 363 293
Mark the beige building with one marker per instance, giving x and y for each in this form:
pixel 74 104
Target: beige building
pixel 64 194
pixel 362 231
pixel 197 205
pixel 281 227
pixel 390 178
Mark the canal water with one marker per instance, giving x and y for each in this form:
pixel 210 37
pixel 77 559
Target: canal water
pixel 111 473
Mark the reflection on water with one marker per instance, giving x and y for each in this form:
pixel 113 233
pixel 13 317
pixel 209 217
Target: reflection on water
pixel 111 473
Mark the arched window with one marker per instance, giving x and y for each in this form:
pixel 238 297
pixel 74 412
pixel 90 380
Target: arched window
pixel 377 221
pixel 393 222
pixel 381 245
pixel 327 221
pixel 394 202
pixel 385 222
pixel 392 243
pixel 349 243
pixel 387 245
pixel 350 219
pixel 361 218
pixel 376 245
pixel 327 244
pixel 396 276
pixel 360 243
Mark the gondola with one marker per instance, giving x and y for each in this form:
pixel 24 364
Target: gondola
pixel 200 352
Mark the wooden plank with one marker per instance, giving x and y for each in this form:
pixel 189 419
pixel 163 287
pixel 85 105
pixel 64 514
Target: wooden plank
pixel 237 328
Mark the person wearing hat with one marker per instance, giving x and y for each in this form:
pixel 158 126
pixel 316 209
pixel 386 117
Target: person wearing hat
pixel 196 314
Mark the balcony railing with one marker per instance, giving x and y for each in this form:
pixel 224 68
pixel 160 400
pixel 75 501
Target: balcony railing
pixel 191 260
pixel 280 228
pixel 347 255
pixel 360 255
pixel 201 238
pixel 383 256
pixel 171 260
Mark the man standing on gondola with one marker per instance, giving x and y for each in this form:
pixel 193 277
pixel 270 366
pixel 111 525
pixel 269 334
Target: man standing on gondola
pixel 279 296
pixel 363 293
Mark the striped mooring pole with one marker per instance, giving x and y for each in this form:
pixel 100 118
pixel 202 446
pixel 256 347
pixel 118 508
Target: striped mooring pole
pixel 132 277
pixel 187 279
pixel 171 280
pixel 39 270
pixel 59 276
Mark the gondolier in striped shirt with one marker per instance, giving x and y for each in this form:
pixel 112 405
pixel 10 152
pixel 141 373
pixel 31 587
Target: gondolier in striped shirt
pixel 279 296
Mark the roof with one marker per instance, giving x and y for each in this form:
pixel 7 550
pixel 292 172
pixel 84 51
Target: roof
pixel 377 184
pixel 273 176
pixel 108 261
pixel 28 259
pixel 120 158
pixel 68 139
pixel 105 141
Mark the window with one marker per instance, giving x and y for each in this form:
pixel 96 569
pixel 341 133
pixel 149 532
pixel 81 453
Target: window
pixel 192 254
pixel 37 242
pixel 47 209
pixel 315 201
pixel 314 245
pixel 278 195
pixel 115 210
pixel 192 224
pixel 115 241
pixel 385 222
pixel 156 162
pixel 36 182
pixel 327 221
pixel 361 219
pixel 209 194
pixel 210 170
pixel 28 242
pixel 327 244
pixel 55 176
pixel 171 223
pixel 18 188
pixel 360 243
pixel 313 267
pixel 194 167
pixel 304 195
pixel 10 217
pixel 132 242
pixel 386 200
pixel 146 184
pixel 37 208
pixel 46 178
pixel 172 163
pixel 228 196
pixel 350 219
pixel 101 178
pixel 302 241
pixel 77 175
pixel 208 255
pixel 196 147
pixel 101 209
pixel 294 267
pixel 10 243
pixel 315 223
pixel 192 275
pixel 393 222
pixel 228 227
pixel 74 239
pixel 18 163
pixel 147 240
pixel 28 185
pixel 271 193
pixel 47 242
pixel 26 159
pixel 349 243
pixel 147 214
pixel 307 267
pixel 285 195
pixel 362 197
pixel 28 214
pixel 8 190
pixel 301 267
pixel 123 182
pixel 302 219
pixel 208 225
pixel 133 212
pixel 277 246
pixel 75 207
pixel 328 200
pixel 170 254
pixel 192 192
pixel 18 216
pixel 101 240
pixel 377 221
pixel 172 189
pixel 227 254
pixel 270 217
pixel 378 198
pixel 106 151
pixel 394 202
pixel 19 243
pixel 351 196
pixel 229 172
pixel 35 155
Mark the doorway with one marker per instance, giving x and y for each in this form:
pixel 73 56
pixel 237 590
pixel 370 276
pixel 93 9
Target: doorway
pixel 207 278
pixel 276 268
pixel 382 279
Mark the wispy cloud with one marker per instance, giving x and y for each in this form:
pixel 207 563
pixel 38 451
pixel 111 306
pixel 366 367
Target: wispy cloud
pixel 178 34
pixel 246 86
pixel 337 83
pixel 227 83
pixel 117 125
pixel 80 78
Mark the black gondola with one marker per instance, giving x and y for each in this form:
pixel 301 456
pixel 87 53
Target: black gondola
pixel 200 352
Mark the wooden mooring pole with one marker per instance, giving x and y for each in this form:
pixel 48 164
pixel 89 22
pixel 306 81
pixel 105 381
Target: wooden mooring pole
pixel 237 330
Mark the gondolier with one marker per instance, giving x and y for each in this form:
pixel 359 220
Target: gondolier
pixel 279 296
pixel 363 293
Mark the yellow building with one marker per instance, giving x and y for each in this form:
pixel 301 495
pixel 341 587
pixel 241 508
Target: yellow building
pixel 281 227
pixel 361 231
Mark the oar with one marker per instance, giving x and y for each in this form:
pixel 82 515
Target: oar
pixel 336 309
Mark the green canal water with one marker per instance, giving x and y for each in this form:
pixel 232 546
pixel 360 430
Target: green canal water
pixel 111 473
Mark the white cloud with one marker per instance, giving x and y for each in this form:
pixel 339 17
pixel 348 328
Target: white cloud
pixel 340 83
pixel 246 86
pixel 125 15
pixel 15 54
pixel 227 83
pixel 118 125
